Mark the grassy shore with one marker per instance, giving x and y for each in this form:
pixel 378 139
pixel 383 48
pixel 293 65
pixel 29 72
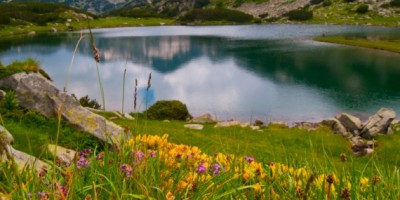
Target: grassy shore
pixel 381 44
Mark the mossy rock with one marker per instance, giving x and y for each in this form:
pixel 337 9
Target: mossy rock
pixel 171 110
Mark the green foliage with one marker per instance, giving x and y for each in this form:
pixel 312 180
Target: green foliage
pixel 349 1
pixel 314 2
pixel 362 9
pixel 171 110
pixel 201 3
pixel 9 103
pixel 218 14
pixel 395 3
pixel 87 102
pixel 300 15
pixel 34 12
pixel 28 66
pixel 327 3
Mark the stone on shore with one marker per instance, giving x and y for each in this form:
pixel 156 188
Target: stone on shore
pixel 194 126
pixel 378 123
pixel 350 122
pixel 336 126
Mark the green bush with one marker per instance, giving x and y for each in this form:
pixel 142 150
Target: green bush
pixel 87 102
pixel 10 102
pixel 217 14
pixel 327 3
pixel 362 9
pixel 395 3
pixel 314 2
pixel 300 15
pixel 171 110
pixel 28 66
pixel 349 1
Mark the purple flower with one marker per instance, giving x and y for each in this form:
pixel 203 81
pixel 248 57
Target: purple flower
pixel 249 159
pixel 152 154
pixel 127 169
pixel 201 169
pixel 82 162
pixel 139 155
pixel 42 195
pixel 100 156
pixel 216 169
pixel 88 151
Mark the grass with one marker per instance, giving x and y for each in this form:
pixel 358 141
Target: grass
pixel 382 44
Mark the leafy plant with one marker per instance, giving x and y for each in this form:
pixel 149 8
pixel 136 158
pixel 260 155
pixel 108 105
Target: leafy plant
pixel 395 3
pixel 327 3
pixel 300 15
pixel 362 9
pixel 87 102
pixel 171 110
pixel 10 101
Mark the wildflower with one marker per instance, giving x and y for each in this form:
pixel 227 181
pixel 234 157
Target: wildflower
pixel 249 159
pixel 88 151
pixel 100 156
pixel 270 164
pixel 201 169
pixel 170 196
pixel 330 179
pixel 375 180
pixel 216 169
pixel 127 169
pixel 43 195
pixel 152 154
pixel 30 195
pixel 82 162
pixel 42 174
pixel 343 157
pixel 345 194
pixel 139 155
pixel 364 182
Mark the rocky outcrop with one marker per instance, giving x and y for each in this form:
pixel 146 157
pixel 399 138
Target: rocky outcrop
pixel 378 123
pixel 309 126
pixel 336 126
pixel 361 148
pixel 23 160
pixel 63 154
pixel 231 123
pixel 36 92
pixel 272 8
pixel 206 118
pixel 350 122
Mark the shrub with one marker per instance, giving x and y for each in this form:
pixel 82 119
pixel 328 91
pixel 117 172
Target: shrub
pixel 327 3
pixel 218 14
pixel 395 3
pixel 87 102
pixel 10 101
pixel 314 2
pixel 300 15
pixel 362 9
pixel 349 1
pixel 171 110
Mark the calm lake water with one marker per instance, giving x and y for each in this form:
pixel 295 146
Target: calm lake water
pixel 269 72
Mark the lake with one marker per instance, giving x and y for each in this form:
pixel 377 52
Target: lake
pixel 267 72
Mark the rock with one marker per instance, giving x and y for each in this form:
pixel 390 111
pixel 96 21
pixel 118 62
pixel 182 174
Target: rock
pixel 395 122
pixel 378 123
pixel 194 126
pixel 336 126
pixel 32 33
pixel 166 121
pixel 279 123
pixel 245 124
pixel 128 116
pixel 117 114
pixel 206 118
pixel 4 133
pixel 24 160
pixel 227 124
pixel 63 154
pixel 255 128
pixel 350 122
pixel 2 94
pixel 36 92
pixel 309 126
pixel 53 30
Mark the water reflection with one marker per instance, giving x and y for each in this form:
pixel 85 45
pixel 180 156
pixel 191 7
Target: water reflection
pixel 265 76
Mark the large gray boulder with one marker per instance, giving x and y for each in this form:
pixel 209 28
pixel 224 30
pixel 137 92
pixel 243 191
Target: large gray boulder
pixel 350 122
pixel 378 123
pixel 336 126
pixel 23 160
pixel 36 92
pixel 63 154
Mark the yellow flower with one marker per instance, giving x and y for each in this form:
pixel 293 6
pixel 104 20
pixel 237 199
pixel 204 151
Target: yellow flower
pixel 258 188
pixel 364 182
pixel 169 196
